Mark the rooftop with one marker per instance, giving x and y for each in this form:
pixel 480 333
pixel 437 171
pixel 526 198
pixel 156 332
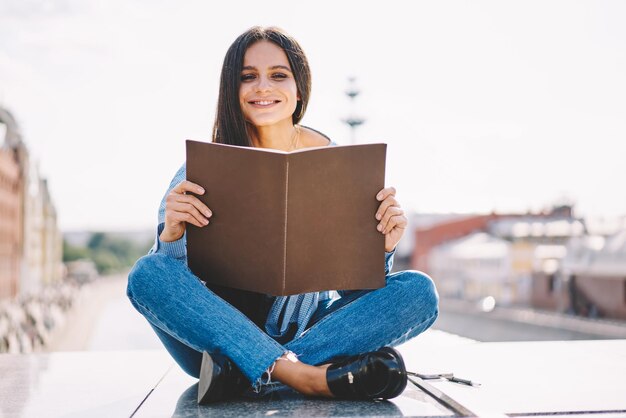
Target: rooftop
pixel 126 373
pixel 516 378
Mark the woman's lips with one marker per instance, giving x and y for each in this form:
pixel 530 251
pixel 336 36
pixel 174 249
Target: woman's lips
pixel 263 103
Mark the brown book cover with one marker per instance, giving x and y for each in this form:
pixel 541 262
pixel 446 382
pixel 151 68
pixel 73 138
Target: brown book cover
pixel 286 223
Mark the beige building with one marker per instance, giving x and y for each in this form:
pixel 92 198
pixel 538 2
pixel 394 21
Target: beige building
pixel 10 220
pixel 30 241
pixel 11 214
pixel 52 239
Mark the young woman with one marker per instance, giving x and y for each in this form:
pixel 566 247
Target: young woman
pixel 316 343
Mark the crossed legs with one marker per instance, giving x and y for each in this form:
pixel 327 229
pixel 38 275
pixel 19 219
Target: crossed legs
pixel 189 319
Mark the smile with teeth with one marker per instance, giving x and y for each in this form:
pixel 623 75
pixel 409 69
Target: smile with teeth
pixel 264 102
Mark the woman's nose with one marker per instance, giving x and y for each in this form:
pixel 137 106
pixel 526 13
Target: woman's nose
pixel 263 83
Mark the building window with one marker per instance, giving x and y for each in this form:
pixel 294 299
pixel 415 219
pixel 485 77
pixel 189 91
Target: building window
pixel 551 283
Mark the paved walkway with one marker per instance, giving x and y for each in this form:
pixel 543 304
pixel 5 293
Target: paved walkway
pixel 103 319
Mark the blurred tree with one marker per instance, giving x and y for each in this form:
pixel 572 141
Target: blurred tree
pixel 109 253
pixel 97 240
pixel 71 253
pixel 106 262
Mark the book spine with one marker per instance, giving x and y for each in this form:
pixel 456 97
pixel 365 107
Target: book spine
pixel 286 223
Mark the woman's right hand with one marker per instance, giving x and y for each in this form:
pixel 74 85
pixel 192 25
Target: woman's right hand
pixel 180 208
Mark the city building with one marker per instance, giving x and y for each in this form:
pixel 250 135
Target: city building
pixel 30 240
pixel 473 267
pixel 538 244
pixel 476 256
pixel 547 290
pixel 587 279
pixel 11 189
pixel 432 230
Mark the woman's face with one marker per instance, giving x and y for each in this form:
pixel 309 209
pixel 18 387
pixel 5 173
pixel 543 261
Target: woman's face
pixel 268 92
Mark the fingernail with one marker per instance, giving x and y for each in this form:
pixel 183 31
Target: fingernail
pixel 207 213
pixel 379 227
pixel 200 190
pixel 378 216
pixel 206 221
pixel 379 196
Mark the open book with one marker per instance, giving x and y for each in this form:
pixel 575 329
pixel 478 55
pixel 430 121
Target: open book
pixel 286 223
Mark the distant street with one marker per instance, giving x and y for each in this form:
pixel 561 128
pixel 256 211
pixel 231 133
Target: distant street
pixel 104 319
pixel 481 327
pixel 521 324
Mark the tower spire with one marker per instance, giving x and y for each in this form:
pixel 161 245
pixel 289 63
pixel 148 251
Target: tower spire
pixel 353 120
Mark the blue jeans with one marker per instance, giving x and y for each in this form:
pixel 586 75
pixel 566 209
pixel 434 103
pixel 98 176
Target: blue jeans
pixel 189 318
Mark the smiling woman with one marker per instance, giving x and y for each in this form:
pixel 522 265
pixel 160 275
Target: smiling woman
pixel 272 91
pixel 268 95
pixel 234 340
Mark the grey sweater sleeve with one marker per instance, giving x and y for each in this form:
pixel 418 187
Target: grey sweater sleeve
pixel 176 249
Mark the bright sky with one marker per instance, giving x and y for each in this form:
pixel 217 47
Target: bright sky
pixel 484 104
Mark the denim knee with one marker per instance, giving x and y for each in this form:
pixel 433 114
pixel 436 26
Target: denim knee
pixel 142 274
pixel 423 290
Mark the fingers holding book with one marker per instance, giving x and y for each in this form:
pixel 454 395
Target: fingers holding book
pixel 390 215
pixel 182 208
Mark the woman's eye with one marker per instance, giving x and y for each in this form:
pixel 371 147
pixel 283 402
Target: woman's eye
pixel 279 75
pixel 247 77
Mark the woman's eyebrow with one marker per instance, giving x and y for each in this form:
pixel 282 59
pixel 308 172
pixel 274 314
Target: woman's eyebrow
pixel 275 67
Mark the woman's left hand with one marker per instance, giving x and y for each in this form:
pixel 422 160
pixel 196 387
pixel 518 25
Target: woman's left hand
pixel 390 215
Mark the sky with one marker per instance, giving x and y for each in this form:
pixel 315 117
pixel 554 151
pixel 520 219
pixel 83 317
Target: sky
pixel 484 105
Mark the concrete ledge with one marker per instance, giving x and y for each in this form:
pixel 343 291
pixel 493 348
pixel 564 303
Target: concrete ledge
pixel 518 378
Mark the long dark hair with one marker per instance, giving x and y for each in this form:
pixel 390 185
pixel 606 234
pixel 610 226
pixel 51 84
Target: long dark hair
pixel 230 124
